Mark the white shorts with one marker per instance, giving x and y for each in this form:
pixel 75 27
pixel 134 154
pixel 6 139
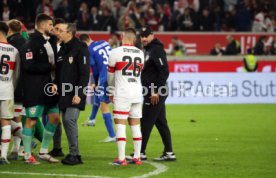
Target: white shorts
pixel 124 109
pixel 18 109
pixel 6 109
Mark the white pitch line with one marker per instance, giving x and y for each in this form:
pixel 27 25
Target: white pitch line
pixel 160 168
pixel 61 175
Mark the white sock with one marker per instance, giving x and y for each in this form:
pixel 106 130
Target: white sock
pixel 17 135
pixel 5 140
pixel 137 140
pixel 16 144
pixel 121 140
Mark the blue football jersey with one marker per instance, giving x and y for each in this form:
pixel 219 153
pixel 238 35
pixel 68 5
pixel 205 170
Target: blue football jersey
pixel 99 54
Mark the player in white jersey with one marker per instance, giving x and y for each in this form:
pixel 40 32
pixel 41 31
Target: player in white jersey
pixel 124 74
pixel 9 59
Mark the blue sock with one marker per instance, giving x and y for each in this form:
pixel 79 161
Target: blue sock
pixel 94 112
pixel 108 124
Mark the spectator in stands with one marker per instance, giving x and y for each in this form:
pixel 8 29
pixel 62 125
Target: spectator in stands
pixel 165 16
pixel 259 48
pixel 135 13
pixel 64 11
pixel 259 24
pixel 108 23
pixel 186 20
pixel 227 15
pixel 7 14
pixel 217 50
pixel 175 17
pixel 218 14
pixel 243 17
pixel 46 8
pixel 152 19
pixel 229 4
pixel 125 21
pixel 176 47
pixel 273 46
pixel 269 23
pixel 205 21
pixel 83 16
pixel 94 19
pixel 229 22
pixel 118 10
pixel 233 47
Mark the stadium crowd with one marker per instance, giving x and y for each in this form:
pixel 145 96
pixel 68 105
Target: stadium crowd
pixel 161 15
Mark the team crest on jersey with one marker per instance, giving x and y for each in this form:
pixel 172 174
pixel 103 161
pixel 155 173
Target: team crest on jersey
pixel 71 59
pixel 33 110
pixel 29 55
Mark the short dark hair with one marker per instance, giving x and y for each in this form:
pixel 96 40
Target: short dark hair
pixel 84 37
pixel 15 25
pixel 4 28
pixel 71 27
pixel 59 21
pixel 41 18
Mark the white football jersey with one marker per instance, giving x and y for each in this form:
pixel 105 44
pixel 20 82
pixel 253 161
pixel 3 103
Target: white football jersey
pixel 9 56
pixel 126 63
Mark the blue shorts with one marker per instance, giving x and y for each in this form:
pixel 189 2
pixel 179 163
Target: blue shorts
pixel 101 97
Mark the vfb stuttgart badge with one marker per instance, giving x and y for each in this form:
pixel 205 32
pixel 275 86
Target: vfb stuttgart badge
pixel 71 59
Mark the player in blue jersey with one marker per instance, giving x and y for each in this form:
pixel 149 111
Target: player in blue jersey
pixel 99 53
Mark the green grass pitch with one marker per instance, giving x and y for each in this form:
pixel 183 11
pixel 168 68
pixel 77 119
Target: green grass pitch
pixel 209 141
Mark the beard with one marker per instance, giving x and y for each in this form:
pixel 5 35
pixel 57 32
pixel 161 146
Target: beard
pixel 144 43
pixel 48 33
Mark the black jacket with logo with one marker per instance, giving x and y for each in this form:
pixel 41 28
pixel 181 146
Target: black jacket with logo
pixel 36 70
pixel 155 69
pixel 18 41
pixel 73 69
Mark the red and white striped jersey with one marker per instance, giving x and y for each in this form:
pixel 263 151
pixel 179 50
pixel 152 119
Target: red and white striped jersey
pixel 9 56
pixel 124 73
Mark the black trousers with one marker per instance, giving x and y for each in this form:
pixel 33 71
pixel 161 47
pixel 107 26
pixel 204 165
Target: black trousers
pixel 155 115
pixel 57 137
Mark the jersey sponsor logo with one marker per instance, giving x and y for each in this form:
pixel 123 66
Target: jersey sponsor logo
pixel 29 55
pixel 71 60
pixel 4 79
pixel 132 80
